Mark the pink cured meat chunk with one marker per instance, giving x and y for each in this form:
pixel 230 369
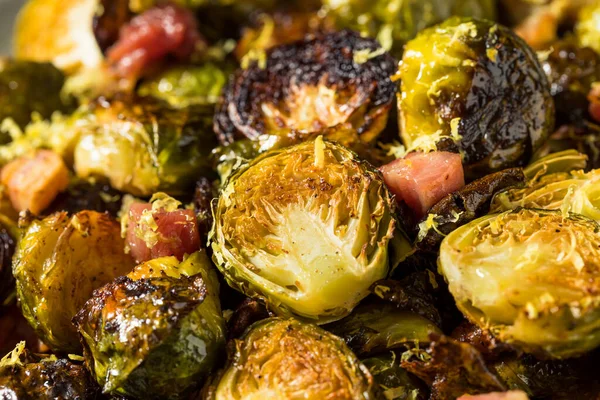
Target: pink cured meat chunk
pixel 423 179
pixel 177 233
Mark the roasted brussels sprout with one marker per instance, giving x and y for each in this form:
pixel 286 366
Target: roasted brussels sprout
pixel 289 359
pixel 307 86
pixel 531 276
pixel 451 369
pixel 395 23
pixel 374 328
pixel 395 382
pixel 463 206
pixel 481 85
pixel 571 71
pixel 27 376
pixel 186 86
pixel 58 263
pixel 306 229
pixel 59 32
pixel 575 191
pixel 587 28
pixel 145 146
pixel 84 195
pixel 156 333
pixel 27 87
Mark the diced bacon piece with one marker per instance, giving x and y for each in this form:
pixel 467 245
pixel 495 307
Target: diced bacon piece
pixel 173 233
pixel 423 179
pixel 34 181
pixel 510 395
pixel 160 31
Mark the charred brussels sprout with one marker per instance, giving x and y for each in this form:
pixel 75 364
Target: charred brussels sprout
pixel 531 276
pixel 27 87
pixel 394 23
pixel 27 376
pixel 58 263
pixel 306 229
pixel 187 85
pixel 374 328
pixel 480 84
pixel 288 359
pixel 84 195
pixel 571 71
pixel 145 146
pixel 307 86
pixel 156 333
pixel 7 249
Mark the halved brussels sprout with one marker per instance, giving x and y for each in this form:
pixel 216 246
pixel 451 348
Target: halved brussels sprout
pixel 58 263
pixel 374 328
pixel 186 86
pixel 24 375
pixel 142 146
pixel 156 333
pixel 306 229
pixel 27 87
pixel 59 32
pixel 531 276
pixel 575 191
pixel 394 381
pixel 287 359
pixel 394 23
pixel 307 86
pixel 480 84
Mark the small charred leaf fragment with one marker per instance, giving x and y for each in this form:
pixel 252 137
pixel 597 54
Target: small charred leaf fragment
pixel 413 293
pixel 249 312
pixel 85 195
pixel 108 21
pixel 571 71
pixel 7 249
pixel 465 205
pixel 552 379
pixel 375 327
pixel 482 339
pixel 30 376
pixel 203 196
pixel 394 381
pixel 349 74
pixel 452 369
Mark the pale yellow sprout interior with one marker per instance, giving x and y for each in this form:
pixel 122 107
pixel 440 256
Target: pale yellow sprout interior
pixel 309 226
pixel 515 267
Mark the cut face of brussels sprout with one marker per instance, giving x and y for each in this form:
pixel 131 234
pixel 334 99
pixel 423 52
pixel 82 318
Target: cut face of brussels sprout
pixel 27 376
pixel 306 229
pixel 308 86
pixel 576 192
pixel 480 84
pixel 287 359
pixel 27 87
pixel 531 276
pixel 142 146
pixel 374 328
pixel 394 23
pixel 156 333
pixel 58 263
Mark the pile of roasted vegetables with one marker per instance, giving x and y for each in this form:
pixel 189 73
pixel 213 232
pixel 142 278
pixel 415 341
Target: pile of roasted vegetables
pixel 337 199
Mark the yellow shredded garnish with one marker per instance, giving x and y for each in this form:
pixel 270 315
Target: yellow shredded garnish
pixel 14 357
pixel 364 55
pixel 319 152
